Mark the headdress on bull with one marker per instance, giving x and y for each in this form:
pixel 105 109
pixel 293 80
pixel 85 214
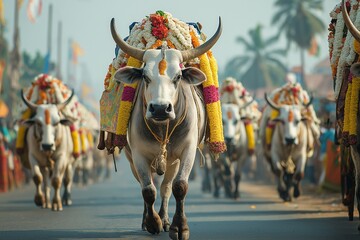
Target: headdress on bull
pixel 150 33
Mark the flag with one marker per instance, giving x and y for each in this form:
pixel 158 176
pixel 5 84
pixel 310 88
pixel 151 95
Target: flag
pixel 2 16
pixel 85 90
pixel 314 48
pixel 34 10
pixel 2 69
pixel 75 52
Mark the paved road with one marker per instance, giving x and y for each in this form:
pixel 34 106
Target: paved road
pixel 113 210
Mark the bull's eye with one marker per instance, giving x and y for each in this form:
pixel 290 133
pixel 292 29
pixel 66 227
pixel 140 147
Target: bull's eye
pixel 55 124
pixel 235 121
pixel 296 122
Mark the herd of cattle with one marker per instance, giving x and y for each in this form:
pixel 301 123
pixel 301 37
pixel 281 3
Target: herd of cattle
pixel 169 104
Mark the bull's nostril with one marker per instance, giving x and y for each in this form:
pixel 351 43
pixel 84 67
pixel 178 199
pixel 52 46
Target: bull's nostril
pixel 47 147
pixel 169 108
pixel 151 108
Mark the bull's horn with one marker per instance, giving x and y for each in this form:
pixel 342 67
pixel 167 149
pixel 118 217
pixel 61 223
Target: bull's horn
pixel 31 105
pixel 62 105
pixel 193 53
pixel 309 103
pixel 353 30
pixel 247 104
pixel 126 48
pixel 271 103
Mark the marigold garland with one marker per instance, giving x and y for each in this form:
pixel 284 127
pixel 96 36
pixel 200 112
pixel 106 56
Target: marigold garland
pixel 354 108
pixel 346 128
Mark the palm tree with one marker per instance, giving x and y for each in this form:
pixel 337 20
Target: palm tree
pixel 298 21
pixel 260 66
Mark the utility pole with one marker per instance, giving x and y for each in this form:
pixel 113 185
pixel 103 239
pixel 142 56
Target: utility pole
pixel 59 45
pixel 48 54
pixel 15 63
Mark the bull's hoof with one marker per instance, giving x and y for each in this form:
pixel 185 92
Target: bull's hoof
pixel 153 224
pixel 39 200
pixel 284 195
pixel 179 230
pixel 57 205
pixel 66 200
pixel 175 235
pixel 297 191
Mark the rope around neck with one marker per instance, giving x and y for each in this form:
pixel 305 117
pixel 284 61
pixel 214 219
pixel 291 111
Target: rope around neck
pixel 159 163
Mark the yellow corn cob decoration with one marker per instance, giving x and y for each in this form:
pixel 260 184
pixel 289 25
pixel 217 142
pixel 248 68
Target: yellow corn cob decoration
pixel 20 140
pixel 269 129
pixel 90 139
pixel 83 140
pixel 76 141
pixel 250 136
pixel 353 111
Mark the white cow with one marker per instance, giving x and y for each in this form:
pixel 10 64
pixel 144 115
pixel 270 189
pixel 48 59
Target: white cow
pixel 288 152
pixel 50 152
pixel 355 149
pixel 166 108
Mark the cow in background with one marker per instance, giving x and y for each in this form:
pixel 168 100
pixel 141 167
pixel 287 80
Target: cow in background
pixel 50 152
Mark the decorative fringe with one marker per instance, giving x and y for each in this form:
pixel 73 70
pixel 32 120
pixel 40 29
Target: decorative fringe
pixel 76 141
pixel 250 136
pixel 20 140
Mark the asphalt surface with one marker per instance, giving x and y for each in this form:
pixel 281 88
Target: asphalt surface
pixel 112 209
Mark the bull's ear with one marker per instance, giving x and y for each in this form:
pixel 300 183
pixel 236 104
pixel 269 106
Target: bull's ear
pixel 28 123
pixel 128 75
pixel 193 75
pixel 66 122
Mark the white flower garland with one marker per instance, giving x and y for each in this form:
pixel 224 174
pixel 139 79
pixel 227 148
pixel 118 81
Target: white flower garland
pixel 351 57
pixel 178 35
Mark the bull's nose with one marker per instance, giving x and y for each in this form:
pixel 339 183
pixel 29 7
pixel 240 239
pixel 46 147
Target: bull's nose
pixel 47 147
pixel 290 141
pixel 228 140
pixel 160 111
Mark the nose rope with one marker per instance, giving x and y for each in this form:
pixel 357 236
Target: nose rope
pixel 159 163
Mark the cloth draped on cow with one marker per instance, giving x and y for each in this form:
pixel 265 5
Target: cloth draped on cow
pixel 46 89
pixel 117 100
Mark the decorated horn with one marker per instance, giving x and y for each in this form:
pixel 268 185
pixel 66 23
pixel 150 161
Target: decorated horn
pixel 61 106
pixel 271 103
pixel 31 105
pixel 247 104
pixel 349 24
pixel 193 53
pixel 126 48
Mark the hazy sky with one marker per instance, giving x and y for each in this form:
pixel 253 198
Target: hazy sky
pixel 87 22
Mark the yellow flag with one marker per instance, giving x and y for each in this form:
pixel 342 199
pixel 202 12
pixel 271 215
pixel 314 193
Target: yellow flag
pixel 2 17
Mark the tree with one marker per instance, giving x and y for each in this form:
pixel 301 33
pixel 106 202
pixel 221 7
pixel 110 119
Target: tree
pixel 260 65
pixel 298 21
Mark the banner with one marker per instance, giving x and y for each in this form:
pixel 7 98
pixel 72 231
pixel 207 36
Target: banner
pixel 34 9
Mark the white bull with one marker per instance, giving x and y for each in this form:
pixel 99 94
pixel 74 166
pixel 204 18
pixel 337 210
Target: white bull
pixel 50 152
pixel 167 110
pixel 288 152
pixel 355 149
pixel 237 150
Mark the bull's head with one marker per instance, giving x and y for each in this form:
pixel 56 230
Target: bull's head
pixel 290 116
pixel 162 73
pixel 231 118
pixel 46 122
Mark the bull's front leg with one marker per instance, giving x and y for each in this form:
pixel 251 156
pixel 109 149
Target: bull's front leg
pixel 39 198
pixel 179 228
pixel 299 174
pixel 165 193
pixel 152 221
pixel 56 181
pixel 279 173
pixel 68 178
pixel 46 179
